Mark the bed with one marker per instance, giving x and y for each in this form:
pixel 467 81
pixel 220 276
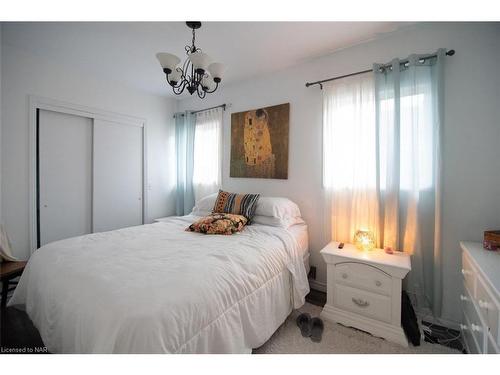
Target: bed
pixel 158 289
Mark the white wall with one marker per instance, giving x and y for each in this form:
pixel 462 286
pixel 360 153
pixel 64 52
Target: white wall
pixel 25 74
pixel 471 133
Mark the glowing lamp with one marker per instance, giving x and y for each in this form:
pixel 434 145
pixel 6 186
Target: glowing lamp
pixel 364 240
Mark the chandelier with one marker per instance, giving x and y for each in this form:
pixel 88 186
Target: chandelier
pixel 197 73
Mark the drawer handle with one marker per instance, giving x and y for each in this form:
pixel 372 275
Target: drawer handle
pixel 378 283
pixel 344 275
pixel 360 302
pixel 475 328
pixel 466 272
pixel 463 327
pixel 463 298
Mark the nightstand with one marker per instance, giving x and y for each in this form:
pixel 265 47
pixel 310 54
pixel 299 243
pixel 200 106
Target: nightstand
pixel 9 271
pixel 364 290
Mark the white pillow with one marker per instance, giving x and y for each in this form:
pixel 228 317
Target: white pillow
pixel 205 205
pixel 282 208
pixel 276 221
pixel 273 211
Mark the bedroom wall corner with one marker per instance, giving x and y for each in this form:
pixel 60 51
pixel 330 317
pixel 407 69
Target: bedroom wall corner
pixel 471 178
pixel 25 74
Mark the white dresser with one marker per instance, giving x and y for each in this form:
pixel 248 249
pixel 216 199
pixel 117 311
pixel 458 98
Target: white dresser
pixel 480 298
pixel 364 290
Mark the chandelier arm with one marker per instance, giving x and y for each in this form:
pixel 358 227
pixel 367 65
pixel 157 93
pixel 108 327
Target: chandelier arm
pixel 201 93
pixel 179 89
pixel 216 86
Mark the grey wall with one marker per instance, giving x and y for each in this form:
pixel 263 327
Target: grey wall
pixel 26 74
pixel 471 152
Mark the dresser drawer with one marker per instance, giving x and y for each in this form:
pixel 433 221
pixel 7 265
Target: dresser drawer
pixel 363 276
pixel 365 303
pixel 476 326
pixel 469 274
pixel 492 347
pixel 470 342
pixel 488 306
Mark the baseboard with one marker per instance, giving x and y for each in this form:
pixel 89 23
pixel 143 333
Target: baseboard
pixel 317 285
pixel 376 328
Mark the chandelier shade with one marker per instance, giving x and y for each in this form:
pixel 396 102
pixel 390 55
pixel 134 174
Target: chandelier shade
pixel 197 74
pixel 168 61
pixel 175 77
pixel 216 70
pixel 200 61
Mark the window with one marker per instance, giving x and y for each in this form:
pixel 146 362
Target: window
pixel 207 153
pixel 350 139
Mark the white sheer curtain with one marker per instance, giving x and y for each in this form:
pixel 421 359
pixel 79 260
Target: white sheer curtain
pixel 382 164
pixel 349 156
pixel 207 153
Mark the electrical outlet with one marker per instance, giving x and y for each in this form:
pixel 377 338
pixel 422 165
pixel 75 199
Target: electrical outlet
pixel 312 273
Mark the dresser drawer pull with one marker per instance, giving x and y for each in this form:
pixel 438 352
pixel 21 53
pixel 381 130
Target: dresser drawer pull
pixel 344 275
pixel 483 304
pixel 360 302
pixel 378 283
pixel 475 328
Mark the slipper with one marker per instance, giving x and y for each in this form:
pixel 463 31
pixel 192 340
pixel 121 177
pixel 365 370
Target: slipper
pixel 317 328
pixel 304 322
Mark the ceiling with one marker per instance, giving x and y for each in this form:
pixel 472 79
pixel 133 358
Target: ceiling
pixel 125 51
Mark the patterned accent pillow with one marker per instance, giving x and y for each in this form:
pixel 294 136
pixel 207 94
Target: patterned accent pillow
pixel 238 204
pixel 218 224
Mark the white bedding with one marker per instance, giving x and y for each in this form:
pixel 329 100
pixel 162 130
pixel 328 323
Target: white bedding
pixel 158 289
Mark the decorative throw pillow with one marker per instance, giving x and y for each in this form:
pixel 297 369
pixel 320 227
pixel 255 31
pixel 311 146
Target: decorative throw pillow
pixel 219 223
pixel 238 204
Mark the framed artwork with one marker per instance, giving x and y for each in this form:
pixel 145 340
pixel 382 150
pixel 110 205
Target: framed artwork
pixel 259 142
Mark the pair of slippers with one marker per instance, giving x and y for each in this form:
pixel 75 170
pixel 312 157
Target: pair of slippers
pixel 310 327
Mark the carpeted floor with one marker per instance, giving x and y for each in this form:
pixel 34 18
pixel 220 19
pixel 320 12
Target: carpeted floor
pixel 338 339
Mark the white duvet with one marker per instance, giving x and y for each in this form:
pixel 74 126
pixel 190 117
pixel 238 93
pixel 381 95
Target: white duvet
pixel 159 289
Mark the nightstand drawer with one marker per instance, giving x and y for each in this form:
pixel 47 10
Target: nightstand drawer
pixel 368 304
pixel 363 276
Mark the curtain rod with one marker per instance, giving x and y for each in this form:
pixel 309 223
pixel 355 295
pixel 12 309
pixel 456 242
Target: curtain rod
pixel 451 52
pixel 223 106
pixel 206 109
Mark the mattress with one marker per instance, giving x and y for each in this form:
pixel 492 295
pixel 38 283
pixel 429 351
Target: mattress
pixel 301 235
pixel 159 289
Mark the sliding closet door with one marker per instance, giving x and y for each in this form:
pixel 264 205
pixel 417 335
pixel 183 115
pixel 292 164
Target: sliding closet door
pixel 64 176
pixel 118 175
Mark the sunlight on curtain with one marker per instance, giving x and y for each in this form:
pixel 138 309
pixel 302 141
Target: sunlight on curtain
pixel 382 164
pixel 207 153
pixel 349 155
pixel 409 113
